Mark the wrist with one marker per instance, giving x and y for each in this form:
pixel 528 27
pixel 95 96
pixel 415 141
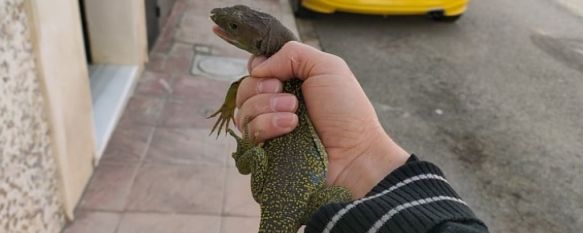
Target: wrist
pixel 379 159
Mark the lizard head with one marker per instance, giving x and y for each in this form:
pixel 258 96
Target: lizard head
pixel 250 30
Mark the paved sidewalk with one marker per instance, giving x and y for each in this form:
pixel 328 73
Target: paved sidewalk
pixel 162 172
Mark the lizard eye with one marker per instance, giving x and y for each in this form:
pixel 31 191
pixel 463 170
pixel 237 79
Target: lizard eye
pixel 233 26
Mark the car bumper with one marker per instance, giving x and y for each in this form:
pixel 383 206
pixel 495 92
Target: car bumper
pixel 388 7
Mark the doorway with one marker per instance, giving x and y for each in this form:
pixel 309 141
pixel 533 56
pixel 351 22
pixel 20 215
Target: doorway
pixel 116 45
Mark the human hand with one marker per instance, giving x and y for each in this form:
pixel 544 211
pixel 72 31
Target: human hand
pixel 360 153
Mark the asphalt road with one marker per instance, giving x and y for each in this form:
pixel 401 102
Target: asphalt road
pixel 495 99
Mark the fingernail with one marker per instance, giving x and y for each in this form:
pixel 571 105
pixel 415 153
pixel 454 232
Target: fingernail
pixel 283 103
pixel 284 120
pixel 269 86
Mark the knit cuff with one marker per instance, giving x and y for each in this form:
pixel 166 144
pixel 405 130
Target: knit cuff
pixel 416 197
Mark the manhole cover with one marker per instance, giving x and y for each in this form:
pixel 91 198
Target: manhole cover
pixel 220 68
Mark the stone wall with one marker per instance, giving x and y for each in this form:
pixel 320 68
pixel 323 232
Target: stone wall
pixel 29 196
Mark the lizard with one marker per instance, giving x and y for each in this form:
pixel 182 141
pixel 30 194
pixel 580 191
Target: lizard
pixel 288 173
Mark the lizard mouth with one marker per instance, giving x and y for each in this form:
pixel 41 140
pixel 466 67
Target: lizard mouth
pixel 223 34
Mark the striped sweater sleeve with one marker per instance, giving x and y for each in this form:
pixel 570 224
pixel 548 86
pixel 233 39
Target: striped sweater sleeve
pixel 415 198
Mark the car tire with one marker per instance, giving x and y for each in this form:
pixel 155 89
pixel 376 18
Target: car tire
pixel 439 16
pixel 299 10
pixel 448 19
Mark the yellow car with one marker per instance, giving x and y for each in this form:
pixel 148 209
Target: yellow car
pixel 440 10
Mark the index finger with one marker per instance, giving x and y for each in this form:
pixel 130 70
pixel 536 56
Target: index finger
pixel 251 86
pixel 254 61
pixel 297 60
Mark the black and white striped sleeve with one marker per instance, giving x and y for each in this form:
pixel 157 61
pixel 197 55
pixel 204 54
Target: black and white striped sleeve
pixel 415 198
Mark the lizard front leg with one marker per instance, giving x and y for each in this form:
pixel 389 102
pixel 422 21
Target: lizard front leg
pixel 227 111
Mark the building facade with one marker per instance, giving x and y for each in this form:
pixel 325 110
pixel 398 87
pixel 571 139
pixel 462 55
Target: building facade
pixel 67 68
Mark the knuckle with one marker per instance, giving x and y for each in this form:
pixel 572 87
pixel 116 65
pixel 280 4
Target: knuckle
pixel 336 59
pixel 254 106
pixel 244 116
pixel 246 88
pixel 238 123
pixel 292 45
pixel 258 106
pixel 250 61
pixel 258 128
pixel 293 49
pixel 246 109
pixel 240 99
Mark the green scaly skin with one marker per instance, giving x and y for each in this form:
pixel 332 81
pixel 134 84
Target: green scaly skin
pixel 288 173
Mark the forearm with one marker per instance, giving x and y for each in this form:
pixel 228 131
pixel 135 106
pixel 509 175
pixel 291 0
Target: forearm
pixel 413 198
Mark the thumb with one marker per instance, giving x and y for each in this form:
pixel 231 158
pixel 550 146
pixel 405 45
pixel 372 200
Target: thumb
pixel 297 60
pixel 254 61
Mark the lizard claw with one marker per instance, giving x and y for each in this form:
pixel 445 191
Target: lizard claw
pixel 226 113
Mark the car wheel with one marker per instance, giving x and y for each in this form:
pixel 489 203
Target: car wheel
pixel 299 10
pixel 439 16
pixel 448 19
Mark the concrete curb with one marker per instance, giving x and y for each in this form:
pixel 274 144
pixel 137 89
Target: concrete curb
pixel 307 33
pixel 303 28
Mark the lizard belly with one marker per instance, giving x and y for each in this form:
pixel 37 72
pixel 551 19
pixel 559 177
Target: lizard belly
pixel 297 166
pixel 291 180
